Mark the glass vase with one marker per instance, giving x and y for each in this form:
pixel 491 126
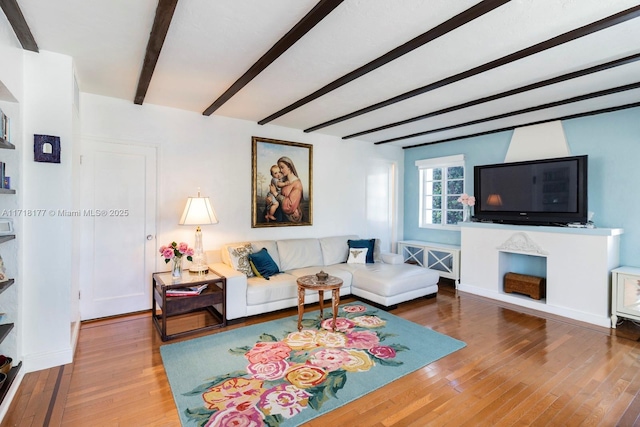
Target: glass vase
pixel 466 214
pixel 176 267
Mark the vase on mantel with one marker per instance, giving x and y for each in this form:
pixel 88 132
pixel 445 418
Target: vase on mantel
pixel 176 267
pixel 466 213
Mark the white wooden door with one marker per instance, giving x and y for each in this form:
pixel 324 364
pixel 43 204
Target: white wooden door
pixel 119 227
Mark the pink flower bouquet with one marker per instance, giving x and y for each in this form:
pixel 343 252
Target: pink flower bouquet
pixel 467 200
pixel 175 250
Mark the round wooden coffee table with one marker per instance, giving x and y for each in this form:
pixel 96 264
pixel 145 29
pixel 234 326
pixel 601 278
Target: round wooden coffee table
pixel 311 282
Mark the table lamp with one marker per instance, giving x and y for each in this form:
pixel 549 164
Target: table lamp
pixel 198 211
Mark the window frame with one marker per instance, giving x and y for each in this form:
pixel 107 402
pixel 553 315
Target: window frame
pixel 443 163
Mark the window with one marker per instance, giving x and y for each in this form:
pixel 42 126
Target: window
pixel 441 183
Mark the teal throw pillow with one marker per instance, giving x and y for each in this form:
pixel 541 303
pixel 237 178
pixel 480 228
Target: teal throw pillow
pixel 364 243
pixel 263 262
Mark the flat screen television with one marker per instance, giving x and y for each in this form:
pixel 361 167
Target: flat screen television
pixel 539 192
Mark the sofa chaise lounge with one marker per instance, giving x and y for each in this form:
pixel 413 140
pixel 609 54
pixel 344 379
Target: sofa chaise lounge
pixel 386 282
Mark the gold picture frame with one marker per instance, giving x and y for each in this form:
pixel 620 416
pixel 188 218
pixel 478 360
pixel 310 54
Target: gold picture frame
pixel 286 167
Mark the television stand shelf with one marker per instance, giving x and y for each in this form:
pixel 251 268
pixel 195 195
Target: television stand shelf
pixel 576 263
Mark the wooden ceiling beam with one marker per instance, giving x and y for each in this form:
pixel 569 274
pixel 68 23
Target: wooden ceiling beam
pixel 508 128
pixel 585 30
pixel 315 15
pixel 580 73
pixel 161 22
pixel 572 100
pixel 20 27
pixel 451 24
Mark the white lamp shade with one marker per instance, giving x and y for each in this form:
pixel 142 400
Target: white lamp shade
pixel 198 211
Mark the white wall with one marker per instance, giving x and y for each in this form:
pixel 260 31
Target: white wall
pixel 214 153
pixel 47 239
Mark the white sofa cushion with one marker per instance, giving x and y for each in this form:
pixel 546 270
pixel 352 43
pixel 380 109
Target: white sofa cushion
pixel 392 279
pixel 279 287
pixel 335 250
pixel 299 253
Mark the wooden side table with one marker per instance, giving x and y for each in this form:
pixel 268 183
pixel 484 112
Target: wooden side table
pixel 213 299
pixel 312 283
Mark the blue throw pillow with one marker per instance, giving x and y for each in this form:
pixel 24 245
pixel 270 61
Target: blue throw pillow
pixel 263 262
pixel 364 243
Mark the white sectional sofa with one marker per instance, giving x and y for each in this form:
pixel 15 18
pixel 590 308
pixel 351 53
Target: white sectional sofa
pixel 386 282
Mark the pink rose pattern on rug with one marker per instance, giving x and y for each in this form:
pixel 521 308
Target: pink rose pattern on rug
pixel 296 373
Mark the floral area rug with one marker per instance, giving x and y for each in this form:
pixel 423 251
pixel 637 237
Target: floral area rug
pixel 270 374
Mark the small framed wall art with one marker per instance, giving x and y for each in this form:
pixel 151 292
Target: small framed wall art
pixel 46 148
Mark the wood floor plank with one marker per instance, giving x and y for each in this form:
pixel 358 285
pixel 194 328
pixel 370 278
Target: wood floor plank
pixel 58 405
pixel 631 414
pixel 629 402
pixel 518 368
pixel 38 404
pixel 611 377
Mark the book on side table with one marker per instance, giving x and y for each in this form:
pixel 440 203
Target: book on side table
pixel 186 291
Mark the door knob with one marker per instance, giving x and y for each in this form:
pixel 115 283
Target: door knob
pixel 149 236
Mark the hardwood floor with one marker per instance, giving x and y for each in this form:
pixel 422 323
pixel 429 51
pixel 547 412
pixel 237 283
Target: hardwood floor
pixel 517 369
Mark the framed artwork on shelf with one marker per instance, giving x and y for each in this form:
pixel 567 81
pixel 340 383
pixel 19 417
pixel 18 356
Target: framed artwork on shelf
pixel 3 271
pixel 6 227
pixel 4 127
pixel 281 183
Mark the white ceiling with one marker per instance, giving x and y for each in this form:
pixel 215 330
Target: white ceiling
pixel 210 44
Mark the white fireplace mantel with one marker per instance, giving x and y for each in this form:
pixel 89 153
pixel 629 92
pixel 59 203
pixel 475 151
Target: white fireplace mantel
pixel 576 262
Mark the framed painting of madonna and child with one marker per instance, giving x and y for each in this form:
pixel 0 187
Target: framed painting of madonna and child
pixel 281 183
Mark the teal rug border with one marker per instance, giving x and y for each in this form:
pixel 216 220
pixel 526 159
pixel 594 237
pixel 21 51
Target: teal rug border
pixel 194 353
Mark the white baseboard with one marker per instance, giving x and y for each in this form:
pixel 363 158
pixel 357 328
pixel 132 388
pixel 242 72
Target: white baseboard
pixel 542 306
pixel 38 362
